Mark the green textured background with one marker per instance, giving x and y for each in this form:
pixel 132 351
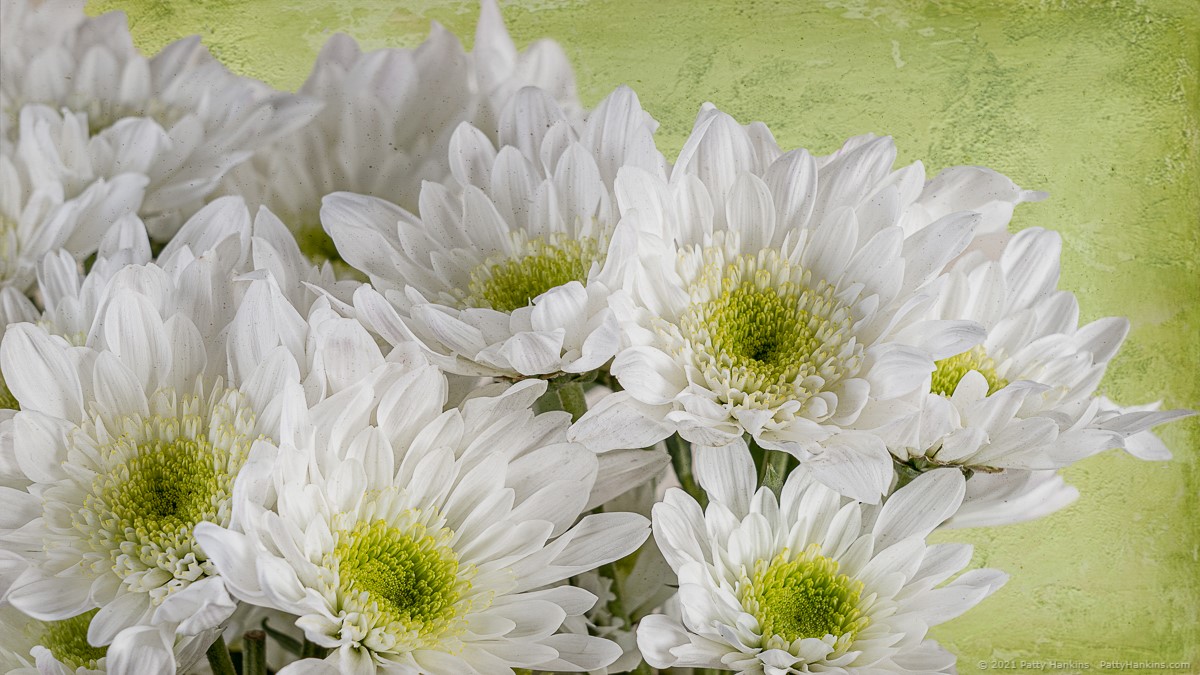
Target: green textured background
pixel 1096 103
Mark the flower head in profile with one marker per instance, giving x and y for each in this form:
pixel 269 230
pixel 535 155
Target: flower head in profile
pixel 508 269
pixel 809 581
pixel 779 296
pixel 1022 404
pixel 63 188
pixel 388 117
pixel 408 538
pixel 212 119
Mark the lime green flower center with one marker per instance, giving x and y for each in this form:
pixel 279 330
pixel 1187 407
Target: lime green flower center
pixel 316 244
pixel 804 597
pixel 950 371
pixel 7 400
pixel 170 484
pixel 408 579
pixel 159 477
pixel 67 641
pixel 507 284
pixel 763 333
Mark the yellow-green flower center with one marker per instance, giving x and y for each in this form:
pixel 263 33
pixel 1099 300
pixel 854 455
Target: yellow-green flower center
pixel 67 641
pixel 7 400
pixel 407 579
pixel 950 371
pixel 157 478
pixel 316 244
pixel 804 597
pixel 763 333
pixel 507 284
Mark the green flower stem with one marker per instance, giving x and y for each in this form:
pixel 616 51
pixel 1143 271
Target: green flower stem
pixel 681 460
pixel 563 394
pixel 616 605
pixel 312 650
pixel 571 396
pixel 219 659
pixel 254 653
pixel 289 643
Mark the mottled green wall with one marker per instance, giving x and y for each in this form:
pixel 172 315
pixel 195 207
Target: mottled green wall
pixel 1096 103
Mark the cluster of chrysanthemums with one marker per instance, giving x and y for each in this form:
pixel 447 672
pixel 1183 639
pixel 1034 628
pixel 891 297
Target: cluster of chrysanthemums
pixel 428 369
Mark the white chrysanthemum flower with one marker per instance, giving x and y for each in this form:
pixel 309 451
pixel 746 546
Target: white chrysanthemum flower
pixel 32 647
pixel 388 117
pixel 508 270
pixel 71 302
pixel 213 119
pixel 809 582
pixel 971 188
pixel 131 438
pixel 1022 402
pixel 778 296
pixel 411 539
pixel 61 188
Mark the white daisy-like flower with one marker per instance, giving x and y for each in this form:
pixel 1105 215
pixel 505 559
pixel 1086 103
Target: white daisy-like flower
pixel 410 539
pixel 1022 403
pixel 129 439
pixel 71 301
pixel 778 296
pixel 32 647
pixel 388 117
pixel 809 582
pixel 992 195
pixel 63 188
pixel 213 119
pixel 508 270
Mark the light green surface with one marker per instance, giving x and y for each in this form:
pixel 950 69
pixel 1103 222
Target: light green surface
pixel 1096 103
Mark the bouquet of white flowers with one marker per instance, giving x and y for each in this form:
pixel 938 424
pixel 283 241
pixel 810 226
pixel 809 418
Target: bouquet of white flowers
pixel 427 368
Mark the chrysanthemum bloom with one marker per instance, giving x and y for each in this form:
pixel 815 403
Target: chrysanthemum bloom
pixel 508 270
pixel 388 117
pixel 992 195
pixel 778 297
pixel 809 582
pixel 63 188
pixel 213 119
pixel 300 318
pixel 131 438
pixel 1021 404
pixel 32 647
pixel 411 539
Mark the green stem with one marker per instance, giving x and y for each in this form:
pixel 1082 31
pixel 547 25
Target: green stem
pixel 312 650
pixel 616 605
pixel 571 396
pixel 548 401
pixel 289 643
pixel 219 659
pixel 254 653
pixel 681 460
pixel 643 668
